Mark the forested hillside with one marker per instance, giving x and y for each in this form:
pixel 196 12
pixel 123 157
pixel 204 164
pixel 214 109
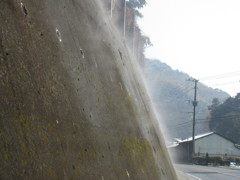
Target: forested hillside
pixel 172 95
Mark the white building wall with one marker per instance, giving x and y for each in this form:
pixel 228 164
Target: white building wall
pixel 215 144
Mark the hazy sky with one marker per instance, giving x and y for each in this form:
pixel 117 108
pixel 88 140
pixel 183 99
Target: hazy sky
pixel 198 37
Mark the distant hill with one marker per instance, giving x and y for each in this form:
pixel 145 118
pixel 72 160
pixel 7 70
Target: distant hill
pixel 172 96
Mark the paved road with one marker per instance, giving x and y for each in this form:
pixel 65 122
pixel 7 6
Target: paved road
pixel 209 173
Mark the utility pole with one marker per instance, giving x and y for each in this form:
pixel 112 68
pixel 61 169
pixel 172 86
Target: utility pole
pixel 124 18
pixel 194 103
pixel 194 115
pixel 111 9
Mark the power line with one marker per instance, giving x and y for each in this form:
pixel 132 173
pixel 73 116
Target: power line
pixel 180 124
pixel 201 121
pixel 220 76
pixel 226 83
pixel 226 117
pixel 177 127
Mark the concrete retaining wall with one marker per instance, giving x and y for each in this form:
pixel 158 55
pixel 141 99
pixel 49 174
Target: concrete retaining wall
pixel 72 103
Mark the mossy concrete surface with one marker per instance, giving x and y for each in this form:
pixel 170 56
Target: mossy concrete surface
pixel 73 105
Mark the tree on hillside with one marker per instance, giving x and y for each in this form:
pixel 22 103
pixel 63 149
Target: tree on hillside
pixel 124 14
pixel 225 118
pixel 215 104
pixel 136 3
